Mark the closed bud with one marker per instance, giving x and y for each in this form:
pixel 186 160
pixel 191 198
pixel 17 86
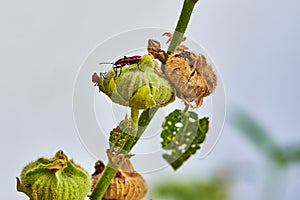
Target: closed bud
pixel 137 86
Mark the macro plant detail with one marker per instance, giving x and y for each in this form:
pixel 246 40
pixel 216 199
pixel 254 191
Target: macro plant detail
pixel 149 84
pixel 143 83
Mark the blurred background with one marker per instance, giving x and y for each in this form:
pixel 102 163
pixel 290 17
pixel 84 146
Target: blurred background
pixel 254 44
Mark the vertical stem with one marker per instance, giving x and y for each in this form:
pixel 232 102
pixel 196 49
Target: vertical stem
pixel 182 23
pixel 147 115
pixel 144 121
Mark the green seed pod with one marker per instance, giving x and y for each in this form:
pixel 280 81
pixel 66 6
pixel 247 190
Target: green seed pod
pixel 137 86
pixel 57 178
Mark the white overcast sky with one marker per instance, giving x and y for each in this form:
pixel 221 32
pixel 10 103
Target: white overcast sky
pixel 254 44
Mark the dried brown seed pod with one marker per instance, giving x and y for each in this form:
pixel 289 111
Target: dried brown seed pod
pixel 190 74
pixel 126 185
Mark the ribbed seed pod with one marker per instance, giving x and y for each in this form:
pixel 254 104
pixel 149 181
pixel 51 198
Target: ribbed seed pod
pixel 137 86
pixel 126 185
pixel 57 178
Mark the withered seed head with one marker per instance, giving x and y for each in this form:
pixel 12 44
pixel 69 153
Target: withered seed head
pixel 190 74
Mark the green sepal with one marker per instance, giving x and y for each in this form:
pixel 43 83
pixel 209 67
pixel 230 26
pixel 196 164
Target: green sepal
pixel 182 134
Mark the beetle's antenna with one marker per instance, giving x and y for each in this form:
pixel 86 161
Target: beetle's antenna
pixel 105 63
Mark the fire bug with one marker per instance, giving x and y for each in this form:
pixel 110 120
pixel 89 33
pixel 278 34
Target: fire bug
pixel 123 62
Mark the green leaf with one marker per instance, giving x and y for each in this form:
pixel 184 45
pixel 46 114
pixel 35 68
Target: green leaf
pixel 182 134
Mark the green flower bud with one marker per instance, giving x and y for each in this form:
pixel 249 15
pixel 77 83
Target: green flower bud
pixel 57 178
pixel 137 86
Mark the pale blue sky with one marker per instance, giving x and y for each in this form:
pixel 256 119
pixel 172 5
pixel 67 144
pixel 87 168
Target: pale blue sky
pixel 254 44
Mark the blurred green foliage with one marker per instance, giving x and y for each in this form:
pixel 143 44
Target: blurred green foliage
pixel 251 128
pixel 280 155
pixel 212 189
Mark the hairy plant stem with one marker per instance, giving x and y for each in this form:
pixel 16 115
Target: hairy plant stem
pixel 146 116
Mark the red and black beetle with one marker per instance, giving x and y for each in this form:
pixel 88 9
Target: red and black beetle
pixel 123 62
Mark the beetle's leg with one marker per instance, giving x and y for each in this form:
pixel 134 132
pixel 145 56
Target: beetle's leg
pixel 120 72
pixel 140 68
pixel 115 70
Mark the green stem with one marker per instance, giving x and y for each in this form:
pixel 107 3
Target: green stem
pixel 185 109
pixel 134 116
pixel 103 183
pixel 182 23
pixel 143 122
